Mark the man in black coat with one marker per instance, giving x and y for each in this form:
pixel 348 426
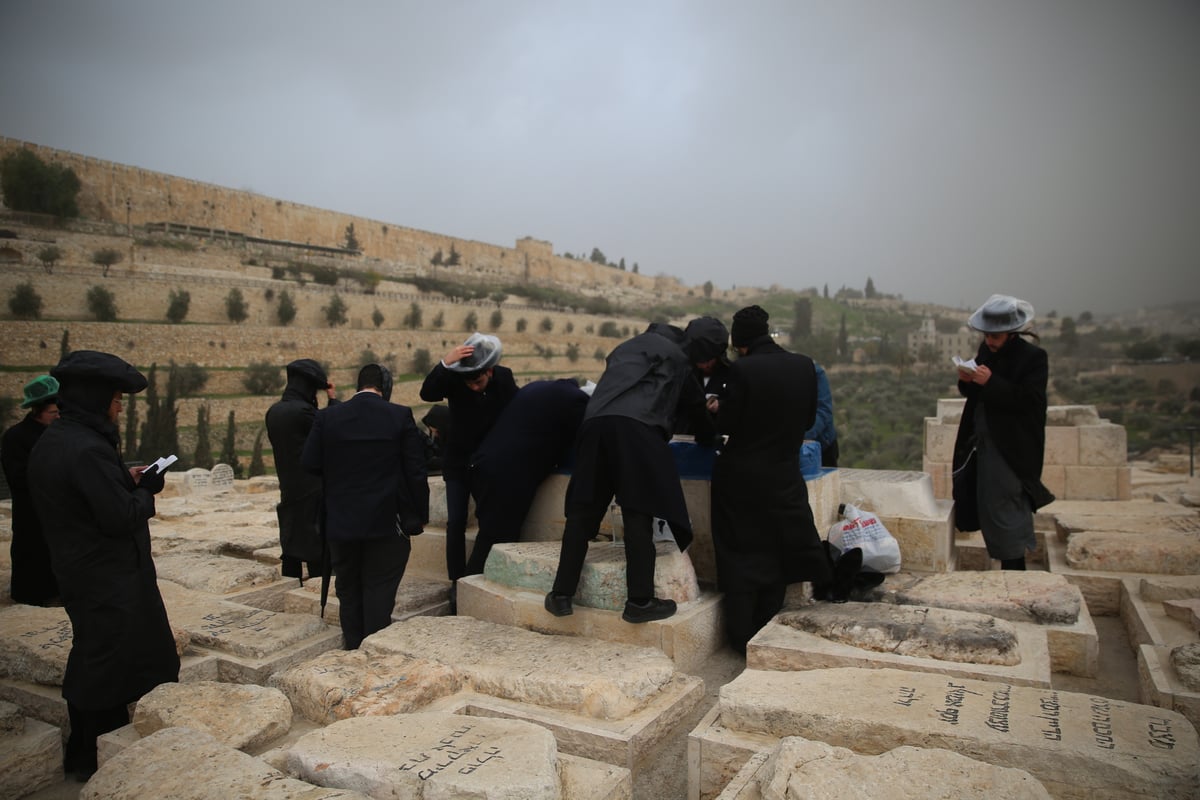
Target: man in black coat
pixel 299 510
pixel 476 389
pixel 762 525
pixel 533 435
pixel 95 513
pixel 370 457
pixel 708 345
pixel 33 582
pixel 623 451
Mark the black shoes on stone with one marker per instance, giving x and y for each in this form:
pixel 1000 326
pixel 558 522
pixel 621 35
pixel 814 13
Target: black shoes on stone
pixel 558 604
pixel 654 608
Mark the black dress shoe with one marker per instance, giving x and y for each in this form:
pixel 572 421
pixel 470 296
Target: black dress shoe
pixel 654 608
pixel 558 604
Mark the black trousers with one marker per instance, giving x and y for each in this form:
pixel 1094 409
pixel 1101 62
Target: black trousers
pixel 583 523
pixel 368 574
pixel 87 725
pixel 746 612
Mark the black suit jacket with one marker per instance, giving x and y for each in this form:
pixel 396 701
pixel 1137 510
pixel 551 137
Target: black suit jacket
pixel 371 459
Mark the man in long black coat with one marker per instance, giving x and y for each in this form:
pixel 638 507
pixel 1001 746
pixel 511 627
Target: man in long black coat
pixel 299 510
pixel 533 435
pixel 33 582
pixel 623 451
pixel 370 457
pixel 762 525
pixel 95 513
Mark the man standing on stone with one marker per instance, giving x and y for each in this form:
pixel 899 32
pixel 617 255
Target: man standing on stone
pixel 95 513
pixel 33 582
pixel 299 509
pixel 370 457
pixel 623 451
pixel 762 526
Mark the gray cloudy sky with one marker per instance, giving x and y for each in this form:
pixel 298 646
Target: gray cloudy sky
pixel 947 149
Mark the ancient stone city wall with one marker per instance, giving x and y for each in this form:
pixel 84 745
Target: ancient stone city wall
pixel 137 197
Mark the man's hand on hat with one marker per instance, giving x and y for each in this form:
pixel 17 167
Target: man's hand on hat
pixel 458 354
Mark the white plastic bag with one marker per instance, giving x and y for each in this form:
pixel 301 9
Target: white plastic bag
pixel 858 528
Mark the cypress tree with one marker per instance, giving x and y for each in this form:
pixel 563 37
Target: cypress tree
pixel 229 449
pixel 203 456
pixel 257 467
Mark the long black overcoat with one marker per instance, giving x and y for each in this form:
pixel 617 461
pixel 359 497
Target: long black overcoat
pixel 33 578
pixel 96 524
pixel 1014 402
pixel 472 413
pixel 762 525
pixel 288 424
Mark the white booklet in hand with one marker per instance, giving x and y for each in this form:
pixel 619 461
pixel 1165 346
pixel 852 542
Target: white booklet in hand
pixel 968 365
pixel 162 464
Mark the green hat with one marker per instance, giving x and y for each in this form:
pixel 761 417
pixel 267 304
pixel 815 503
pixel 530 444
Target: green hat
pixel 42 389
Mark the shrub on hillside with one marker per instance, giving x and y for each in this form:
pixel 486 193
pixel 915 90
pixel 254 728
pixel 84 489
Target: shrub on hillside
pixel 102 304
pixel 471 321
pixel 335 312
pixel 235 306
pixel 49 256
pixel 326 276
pixel 25 302
pixel 286 311
pixel 421 361
pixel 497 319
pixel 190 379
pixel 610 329
pixel 105 258
pixel 262 377
pixel 30 184
pixel 178 303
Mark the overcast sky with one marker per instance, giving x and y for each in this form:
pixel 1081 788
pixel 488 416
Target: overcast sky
pixel 947 149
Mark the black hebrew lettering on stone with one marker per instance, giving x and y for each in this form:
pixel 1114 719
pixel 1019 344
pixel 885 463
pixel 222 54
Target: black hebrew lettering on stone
pixel 60 636
pixel 452 748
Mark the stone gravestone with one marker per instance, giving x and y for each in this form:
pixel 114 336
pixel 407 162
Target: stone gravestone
pixel 262 714
pixel 431 755
pixel 197 480
pixel 222 477
pixel 1077 745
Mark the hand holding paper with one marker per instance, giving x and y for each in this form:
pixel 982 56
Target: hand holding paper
pixel 162 464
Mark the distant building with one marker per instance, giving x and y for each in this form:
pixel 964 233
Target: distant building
pixel 962 343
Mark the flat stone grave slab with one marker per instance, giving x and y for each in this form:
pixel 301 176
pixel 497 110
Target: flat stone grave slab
pixel 1077 745
pixel 919 638
pixel 213 573
pixel 216 524
pixel 1159 553
pixel 35 643
pixel 1145 612
pixel 1164 517
pixel 602 700
pixel 241 716
pixel 532 565
pixel 446 755
pixel 249 643
pixel 30 753
pixel 797 767
pixel 1048 601
pixel 416 596
pixel 186 764
pixel 1103 591
pixel 1169 677
pixel 688 638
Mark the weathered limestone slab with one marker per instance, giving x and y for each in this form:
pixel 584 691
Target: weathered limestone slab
pixel 532 565
pixel 688 637
pixel 431 755
pixel 1159 588
pixel 214 574
pixel 240 716
pixel 250 643
pixel 30 753
pixel 1161 684
pixel 186 764
pixel 599 679
pixel 1166 518
pixel 341 684
pixel 260 484
pixel 1076 745
pixel 1034 597
pixel 797 767
pixel 878 636
pixel 1186 610
pixel 1165 553
pixel 221 478
pixel 904 502
pixel 1186 660
pixel 34 643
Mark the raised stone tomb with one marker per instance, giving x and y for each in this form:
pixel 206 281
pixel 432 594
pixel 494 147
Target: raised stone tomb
pixel 1077 745
pixel 30 753
pixel 602 700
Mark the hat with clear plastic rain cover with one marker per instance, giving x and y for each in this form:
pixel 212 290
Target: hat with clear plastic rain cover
pixel 486 355
pixel 1001 314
